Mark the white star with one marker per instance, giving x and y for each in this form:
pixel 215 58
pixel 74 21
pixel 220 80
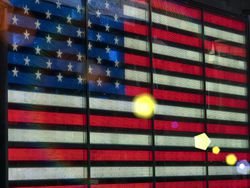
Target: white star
pixel 79 79
pixel 116 40
pixel 27 61
pixel 69 19
pixel 70 67
pixel 79 32
pixel 108 72
pixel 59 77
pixel 98 36
pixel 89 23
pixel 107 27
pixel 59 29
pixel 37 2
pixel 14 20
pixel 37 23
pixel 26 9
pixel 106 5
pixel 48 14
pixel 117 84
pixel 49 63
pixel 90 69
pixel 116 18
pixel 26 35
pixel 15 46
pixel 78 9
pixel 107 49
pixel 99 60
pixel 38 50
pixel 58 4
pixel 38 75
pixel 48 39
pixel 89 46
pixel 59 53
pixel 117 63
pixel 69 41
pixel 98 13
pixel 99 82
pixel 15 72
pixel 79 56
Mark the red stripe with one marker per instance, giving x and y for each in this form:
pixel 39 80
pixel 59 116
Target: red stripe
pixel 60 186
pixel 136 28
pixel 178 96
pixel 145 2
pixel 181 184
pixel 178 126
pixel 134 91
pixel 223 21
pixel 222 156
pixel 177 8
pixel 227 129
pixel 177 67
pixel 226 75
pixel 227 102
pixel 138 60
pixel 177 38
pixel 27 154
pixel 224 48
pixel 120 155
pixel 241 183
pixel 127 185
pixel 120 122
pixel 25 116
pixel 179 156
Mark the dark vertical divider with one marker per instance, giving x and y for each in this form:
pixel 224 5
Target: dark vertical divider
pixel 152 88
pixel 3 111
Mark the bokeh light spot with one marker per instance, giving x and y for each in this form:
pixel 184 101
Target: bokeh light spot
pixel 243 167
pixel 216 150
pixel 144 106
pixel 231 159
pixel 202 141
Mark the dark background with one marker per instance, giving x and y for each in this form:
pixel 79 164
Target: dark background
pixel 235 6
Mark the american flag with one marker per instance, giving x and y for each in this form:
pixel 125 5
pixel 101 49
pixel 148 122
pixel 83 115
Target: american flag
pixel 47 122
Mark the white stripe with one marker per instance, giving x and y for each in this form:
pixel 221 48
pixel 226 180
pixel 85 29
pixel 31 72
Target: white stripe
pixel 46 99
pixel 180 171
pixel 177 81
pixel 179 111
pixel 136 44
pixel 225 88
pixel 222 170
pixel 118 172
pixel 184 141
pixel 23 135
pixel 176 52
pixel 229 143
pixel 174 141
pixel 226 62
pixel 225 35
pixel 176 23
pixel 47 173
pixel 136 13
pixel 224 115
pixel 138 76
pixel 120 139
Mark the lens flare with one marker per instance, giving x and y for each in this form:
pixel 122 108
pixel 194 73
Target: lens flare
pixel 243 167
pixel 174 124
pixel 202 141
pixel 231 159
pixel 216 150
pixel 144 106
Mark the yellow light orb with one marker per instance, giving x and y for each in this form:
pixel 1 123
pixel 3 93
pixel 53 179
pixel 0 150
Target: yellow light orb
pixel 231 159
pixel 202 141
pixel 144 106
pixel 216 150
